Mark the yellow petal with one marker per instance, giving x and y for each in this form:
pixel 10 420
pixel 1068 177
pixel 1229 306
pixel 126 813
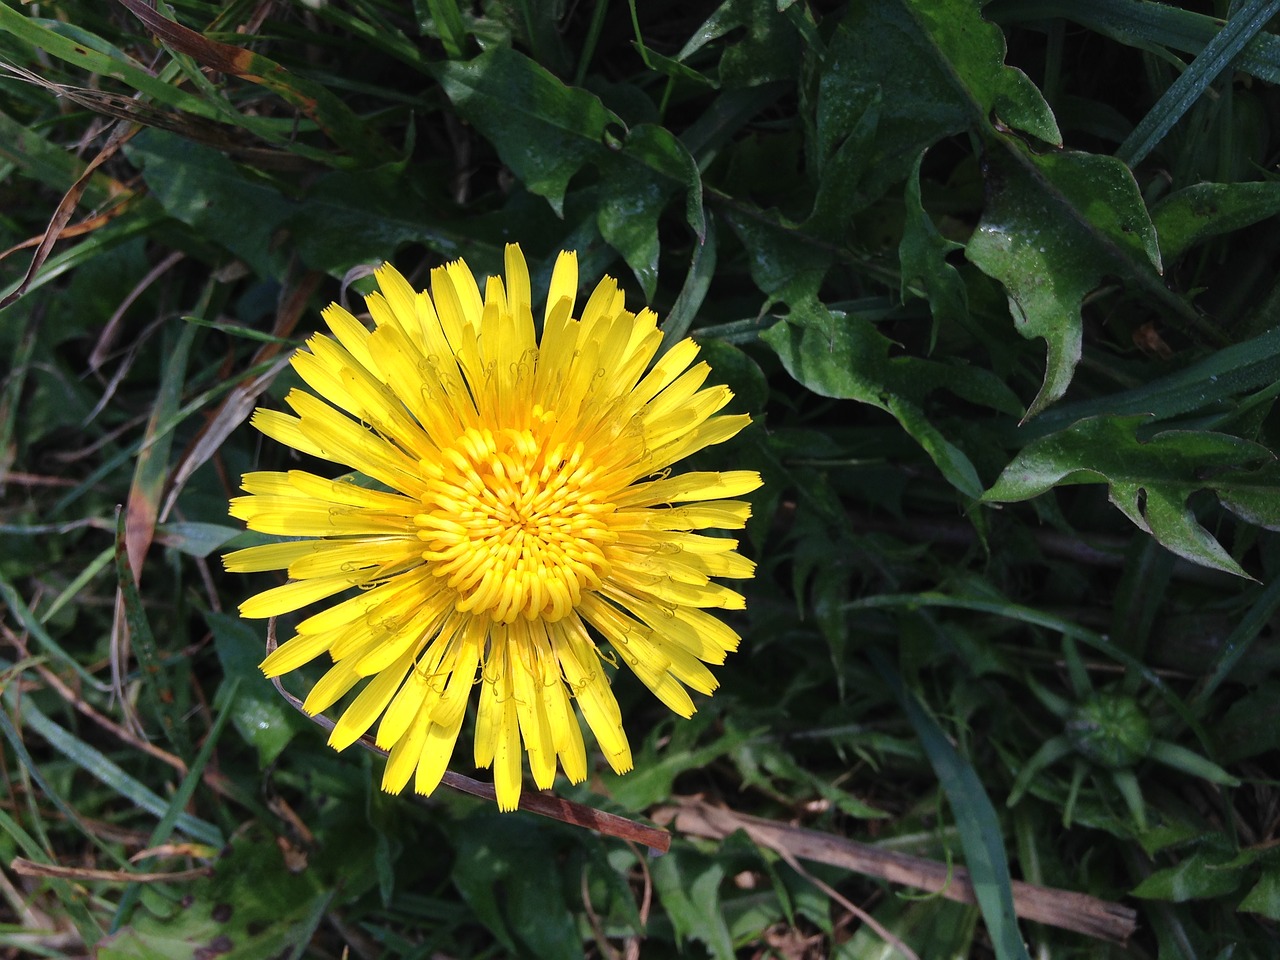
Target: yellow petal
pixel 296 652
pixel 370 703
pixel 564 283
pixel 271 556
pixel 330 689
pixel 299 593
pixel 584 674
pixel 403 758
pixel 519 295
pixel 351 333
pixel 284 429
pixel 437 748
pixel 531 713
pixel 690 486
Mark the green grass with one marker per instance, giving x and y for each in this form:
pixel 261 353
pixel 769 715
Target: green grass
pixel 997 284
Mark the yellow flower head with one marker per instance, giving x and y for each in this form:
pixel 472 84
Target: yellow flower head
pixel 524 509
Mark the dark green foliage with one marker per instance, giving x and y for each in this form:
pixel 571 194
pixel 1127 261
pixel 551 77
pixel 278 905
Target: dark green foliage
pixel 998 283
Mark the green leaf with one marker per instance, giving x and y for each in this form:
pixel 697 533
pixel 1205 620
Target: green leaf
pixel 689 884
pixel 359 218
pixel 1247 629
pixel 639 179
pixel 1205 210
pixel 1205 874
pixel 1188 761
pixel 194 538
pixel 957 79
pixel 259 714
pixel 766 49
pixel 840 174
pixel 107 772
pixel 739 372
pixel 1148 481
pixel 1252 725
pixel 841 355
pixel 702 267
pixel 653 779
pixel 1206 384
pixel 1264 898
pixel 157 680
pixel 923 255
pixel 1055 225
pixel 252 907
pixel 449 26
pixel 42 160
pixel 327 110
pixel 202 188
pixel 509 874
pixel 543 130
pixel 784 263
pixel 84 57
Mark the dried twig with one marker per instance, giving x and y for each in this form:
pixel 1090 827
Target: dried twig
pixel 1064 909
pixel 28 868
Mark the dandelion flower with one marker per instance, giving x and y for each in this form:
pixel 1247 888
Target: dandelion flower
pixel 519 529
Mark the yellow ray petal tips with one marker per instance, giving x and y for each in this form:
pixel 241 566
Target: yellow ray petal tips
pixel 530 523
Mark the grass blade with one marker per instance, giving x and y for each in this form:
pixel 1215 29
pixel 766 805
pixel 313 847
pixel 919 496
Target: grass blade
pixel 975 819
pixel 107 772
pixel 1217 55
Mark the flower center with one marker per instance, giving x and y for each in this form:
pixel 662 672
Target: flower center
pixel 516 527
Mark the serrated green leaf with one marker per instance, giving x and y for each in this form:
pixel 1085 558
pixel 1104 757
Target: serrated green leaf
pixel 923 255
pixel 956 81
pixel 689 884
pixel 1255 496
pixel 840 174
pixel 1055 225
pixel 543 130
pixel 1264 898
pixel 766 51
pixel 841 355
pixel 1206 873
pixel 639 179
pixel 1149 481
pixel 1205 210
pixel 787 267
pixel 1250 365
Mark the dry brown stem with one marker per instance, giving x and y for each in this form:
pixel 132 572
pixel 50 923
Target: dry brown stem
pixel 1064 909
